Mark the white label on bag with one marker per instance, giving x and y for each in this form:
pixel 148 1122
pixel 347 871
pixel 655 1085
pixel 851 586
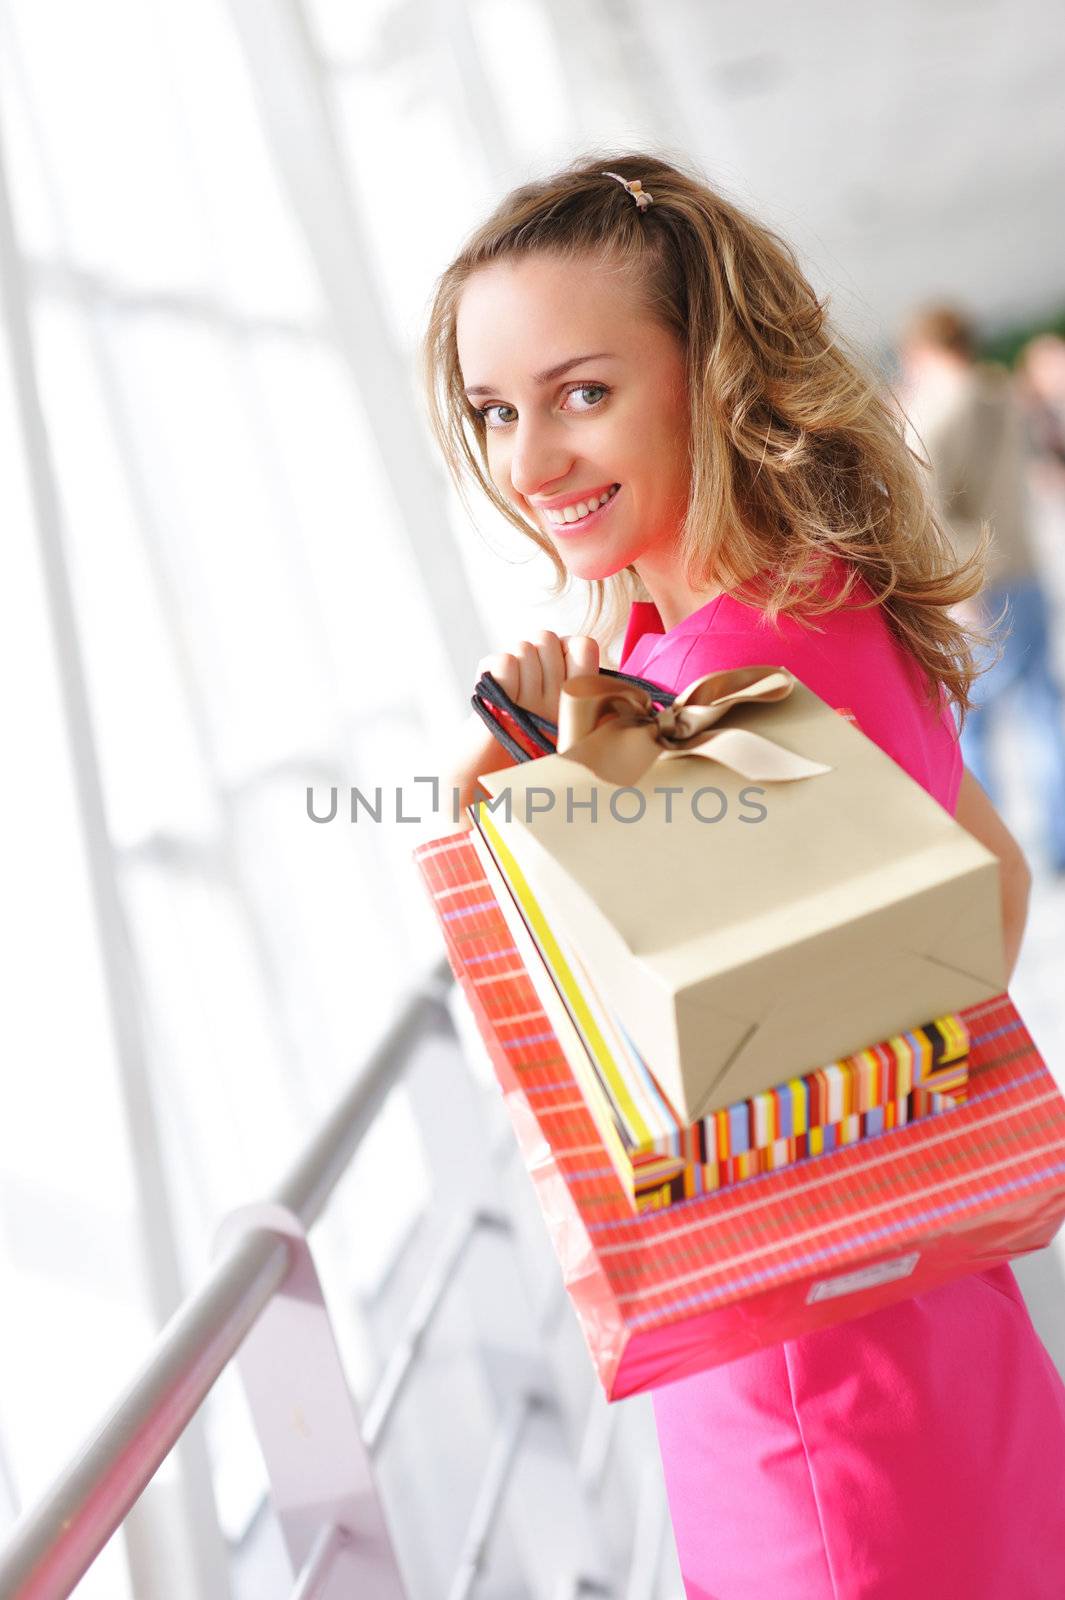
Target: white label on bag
pixel 864 1278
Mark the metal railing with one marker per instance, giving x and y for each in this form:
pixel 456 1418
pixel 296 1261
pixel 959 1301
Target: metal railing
pixel 55 1542
pixel 246 1310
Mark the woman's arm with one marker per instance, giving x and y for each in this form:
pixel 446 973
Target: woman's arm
pixel 477 750
pixel 976 814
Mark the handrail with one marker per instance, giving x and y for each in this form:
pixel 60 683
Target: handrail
pixel 316 1172
pixel 56 1541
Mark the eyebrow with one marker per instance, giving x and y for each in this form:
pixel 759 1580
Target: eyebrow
pixel 552 372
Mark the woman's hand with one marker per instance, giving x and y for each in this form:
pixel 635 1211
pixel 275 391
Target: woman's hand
pixel 532 674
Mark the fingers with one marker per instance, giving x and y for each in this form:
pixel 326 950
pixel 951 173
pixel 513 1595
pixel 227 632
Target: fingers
pixel 553 667
pixel 531 693
pixel 505 669
pixel 533 673
pixel 518 673
pixel 582 654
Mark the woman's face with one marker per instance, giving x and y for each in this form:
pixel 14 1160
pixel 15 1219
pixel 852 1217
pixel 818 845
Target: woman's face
pixel 581 392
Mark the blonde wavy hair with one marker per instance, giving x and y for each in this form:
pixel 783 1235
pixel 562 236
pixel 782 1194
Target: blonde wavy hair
pixel 795 448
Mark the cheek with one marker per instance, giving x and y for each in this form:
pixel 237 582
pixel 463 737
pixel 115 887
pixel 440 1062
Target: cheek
pixel 499 477
pixel 678 447
pixel 497 468
pixel 652 434
pixel 658 452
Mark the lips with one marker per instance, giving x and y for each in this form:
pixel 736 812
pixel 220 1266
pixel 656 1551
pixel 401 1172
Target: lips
pixel 579 511
pixel 568 529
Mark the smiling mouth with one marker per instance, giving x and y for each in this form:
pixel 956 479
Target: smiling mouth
pixel 576 516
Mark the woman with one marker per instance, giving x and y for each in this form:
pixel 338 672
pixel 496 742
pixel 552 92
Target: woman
pixel 639 377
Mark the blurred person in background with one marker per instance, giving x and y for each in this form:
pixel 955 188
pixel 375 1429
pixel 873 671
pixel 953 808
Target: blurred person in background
pixel 967 419
pixel 1041 367
pixel 1041 386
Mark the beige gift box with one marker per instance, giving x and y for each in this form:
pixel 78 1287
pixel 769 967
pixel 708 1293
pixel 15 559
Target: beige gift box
pixel 832 903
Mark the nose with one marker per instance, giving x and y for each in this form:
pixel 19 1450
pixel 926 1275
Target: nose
pixel 540 458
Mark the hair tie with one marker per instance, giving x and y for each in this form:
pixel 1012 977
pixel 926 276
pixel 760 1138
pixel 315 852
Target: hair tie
pixel 635 188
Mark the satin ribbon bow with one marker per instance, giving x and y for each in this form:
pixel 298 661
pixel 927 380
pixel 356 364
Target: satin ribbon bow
pixel 618 733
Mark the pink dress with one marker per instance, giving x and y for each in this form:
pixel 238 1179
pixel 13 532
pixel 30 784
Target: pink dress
pixel 915 1452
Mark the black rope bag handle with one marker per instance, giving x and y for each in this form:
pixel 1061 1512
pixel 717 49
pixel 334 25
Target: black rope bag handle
pixel 539 731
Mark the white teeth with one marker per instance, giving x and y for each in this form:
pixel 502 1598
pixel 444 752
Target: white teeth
pixel 582 508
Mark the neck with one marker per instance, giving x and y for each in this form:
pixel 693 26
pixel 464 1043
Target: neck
pixel 675 608
pixel 673 596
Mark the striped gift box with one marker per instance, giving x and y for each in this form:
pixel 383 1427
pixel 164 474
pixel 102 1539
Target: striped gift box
pixel 659 1181
pixel 661 1159
pixel 663 1294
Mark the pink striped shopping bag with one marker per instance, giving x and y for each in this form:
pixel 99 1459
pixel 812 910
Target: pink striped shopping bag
pixel 663 1294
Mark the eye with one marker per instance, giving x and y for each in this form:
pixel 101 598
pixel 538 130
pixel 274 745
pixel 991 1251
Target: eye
pixel 493 423
pixel 482 411
pixel 586 388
